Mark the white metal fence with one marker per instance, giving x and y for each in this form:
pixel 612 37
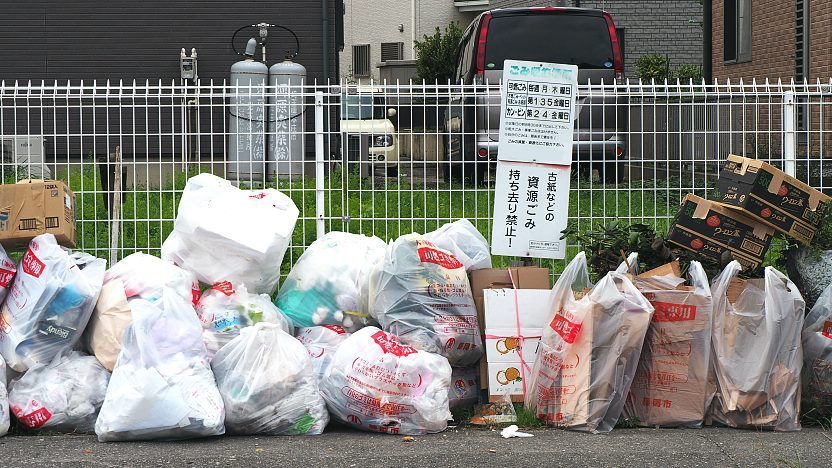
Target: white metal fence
pixel 352 164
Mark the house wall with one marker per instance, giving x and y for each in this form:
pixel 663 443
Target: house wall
pixel 772 42
pixel 820 40
pixel 376 21
pixel 125 39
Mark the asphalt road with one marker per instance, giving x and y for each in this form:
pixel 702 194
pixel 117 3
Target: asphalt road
pixel 453 448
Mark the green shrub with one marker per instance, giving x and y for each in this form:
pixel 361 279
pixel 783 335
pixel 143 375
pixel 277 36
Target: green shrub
pixel 686 73
pixel 653 67
pixel 436 55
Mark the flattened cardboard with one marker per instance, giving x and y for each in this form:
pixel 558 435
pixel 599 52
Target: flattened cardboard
pixel 709 228
pixel 506 378
pixel 772 197
pixel 503 344
pixel 33 207
pixel 501 310
pixel 498 278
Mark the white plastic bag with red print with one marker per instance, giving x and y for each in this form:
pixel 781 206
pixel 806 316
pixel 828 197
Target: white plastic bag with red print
pixel 226 308
pixel 376 383
pixel 222 233
pixel 757 351
pixel 321 343
pixel 7 271
pixel 817 355
pixel 162 387
pixel 464 391
pixel 4 400
pixel 589 351
pixel 267 382
pixel 64 395
pixel 49 303
pixel 421 294
pixel 462 239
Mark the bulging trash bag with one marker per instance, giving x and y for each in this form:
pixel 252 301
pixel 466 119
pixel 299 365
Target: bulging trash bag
pixel 328 284
pixel 64 395
pixel 7 272
pixel 162 386
pixel 4 400
pixel 464 391
pixel 589 351
pixel 671 387
pixel 462 239
pixel 817 355
pixel 757 355
pixel 136 276
pixel 226 308
pixel 321 343
pixel 222 233
pixel 376 383
pixel 268 384
pixel 421 294
pixel 49 303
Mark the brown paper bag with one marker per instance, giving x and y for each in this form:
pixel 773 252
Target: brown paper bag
pixel 112 315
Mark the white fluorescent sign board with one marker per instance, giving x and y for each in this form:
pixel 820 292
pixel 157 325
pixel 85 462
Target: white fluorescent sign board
pixel 538 112
pixel 531 205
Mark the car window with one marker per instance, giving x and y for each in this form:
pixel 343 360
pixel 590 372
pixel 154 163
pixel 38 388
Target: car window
pixel 358 107
pixel 573 39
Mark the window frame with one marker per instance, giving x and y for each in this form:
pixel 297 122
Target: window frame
pixel 738 21
pixel 368 61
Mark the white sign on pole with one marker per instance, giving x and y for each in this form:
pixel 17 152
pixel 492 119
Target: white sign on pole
pixel 538 112
pixel 531 203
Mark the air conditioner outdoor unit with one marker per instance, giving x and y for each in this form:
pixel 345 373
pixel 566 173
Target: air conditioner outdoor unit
pixel 23 154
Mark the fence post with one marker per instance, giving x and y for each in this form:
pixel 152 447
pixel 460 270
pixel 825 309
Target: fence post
pixel 319 163
pixel 789 134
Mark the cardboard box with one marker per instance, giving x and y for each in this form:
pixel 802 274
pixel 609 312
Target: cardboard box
pixel 503 344
pixel 501 310
pixel 498 278
pixel 709 228
pixel 770 196
pixel 506 378
pixel 671 387
pixel 31 208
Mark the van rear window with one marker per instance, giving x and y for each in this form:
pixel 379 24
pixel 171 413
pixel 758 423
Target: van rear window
pixel 572 39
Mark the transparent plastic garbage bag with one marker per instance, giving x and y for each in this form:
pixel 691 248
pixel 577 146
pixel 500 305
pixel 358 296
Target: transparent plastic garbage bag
pixel 64 395
pixel 268 384
pixel 421 294
pixel 4 400
pixel 7 273
pixel 589 350
pixel 321 343
pixel 757 351
pixel 225 309
pixel 328 285
pixel 222 233
pixel 376 383
pixel 817 355
pixel 162 387
pixel 49 303
pixel 462 239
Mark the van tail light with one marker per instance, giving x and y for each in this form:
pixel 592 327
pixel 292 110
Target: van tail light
pixel 481 38
pixel 617 60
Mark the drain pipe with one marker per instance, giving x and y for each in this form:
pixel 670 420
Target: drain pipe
pixel 325 23
pixel 707 41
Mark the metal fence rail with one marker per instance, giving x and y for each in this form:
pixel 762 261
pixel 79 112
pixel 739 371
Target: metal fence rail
pixel 353 164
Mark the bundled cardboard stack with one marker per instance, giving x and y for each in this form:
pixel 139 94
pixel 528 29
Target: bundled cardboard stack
pixel 752 200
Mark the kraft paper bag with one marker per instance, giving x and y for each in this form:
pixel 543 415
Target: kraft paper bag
pixel 112 315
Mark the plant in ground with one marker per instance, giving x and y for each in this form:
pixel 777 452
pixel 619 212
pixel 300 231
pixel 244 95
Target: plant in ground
pixel 436 55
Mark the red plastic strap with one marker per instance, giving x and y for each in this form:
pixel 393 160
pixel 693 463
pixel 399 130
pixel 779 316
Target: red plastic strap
pixel 523 364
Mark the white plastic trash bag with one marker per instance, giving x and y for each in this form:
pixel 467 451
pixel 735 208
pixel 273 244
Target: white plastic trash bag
pixel 146 277
pixel 671 387
pixel 321 343
pixel 376 383
pixel 329 283
pixel 136 276
pixel 4 400
pixel 49 303
pixel 162 386
pixel 64 395
pixel 225 309
pixel 757 354
pixel 462 239
pixel 222 233
pixel 589 351
pixel 421 294
pixel 817 355
pixel 268 384
pixel 7 272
